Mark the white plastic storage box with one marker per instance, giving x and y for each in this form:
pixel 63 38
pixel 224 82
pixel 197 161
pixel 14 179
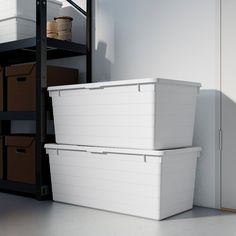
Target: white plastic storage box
pixel 17 18
pixel 150 184
pixel 27 9
pixel 16 28
pixel 141 114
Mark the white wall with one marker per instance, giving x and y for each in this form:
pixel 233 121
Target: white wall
pixel 79 35
pixel 169 39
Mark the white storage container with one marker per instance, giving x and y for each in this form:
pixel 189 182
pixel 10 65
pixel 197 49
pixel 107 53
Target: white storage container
pixel 150 184
pixel 142 114
pixel 16 28
pixel 27 9
pixel 17 18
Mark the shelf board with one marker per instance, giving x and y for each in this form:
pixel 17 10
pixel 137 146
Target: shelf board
pixel 17 187
pixel 22 51
pixel 17 115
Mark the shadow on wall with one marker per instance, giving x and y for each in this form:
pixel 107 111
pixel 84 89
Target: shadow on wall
pixel 103 65
pixel 228 121
pixel 206 136
pixel 211 171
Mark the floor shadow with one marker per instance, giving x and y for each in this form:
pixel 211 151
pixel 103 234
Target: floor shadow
pixel 199 212
pixel 13 206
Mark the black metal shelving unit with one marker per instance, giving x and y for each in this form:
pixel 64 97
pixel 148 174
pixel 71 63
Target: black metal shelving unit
pixel 39 49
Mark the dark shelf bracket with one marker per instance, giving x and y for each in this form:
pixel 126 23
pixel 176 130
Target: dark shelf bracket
pixel 17 187
pixel 77 7
pixel 17 115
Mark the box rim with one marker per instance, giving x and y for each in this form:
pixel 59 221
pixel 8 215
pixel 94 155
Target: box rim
pixel 123 83
pixel 107 150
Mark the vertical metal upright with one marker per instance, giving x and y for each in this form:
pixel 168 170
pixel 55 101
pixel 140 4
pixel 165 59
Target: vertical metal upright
pixel 41 76
pixel 88 15
pixel 89 41
pixel 6 124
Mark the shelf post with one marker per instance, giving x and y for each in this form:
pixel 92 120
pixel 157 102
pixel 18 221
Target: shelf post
pixel 5 124
pixel 41 77
pixel 89 41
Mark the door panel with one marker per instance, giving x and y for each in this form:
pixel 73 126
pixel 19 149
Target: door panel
pixel 228 85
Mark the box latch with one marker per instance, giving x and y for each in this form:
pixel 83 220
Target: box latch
pixel 145 158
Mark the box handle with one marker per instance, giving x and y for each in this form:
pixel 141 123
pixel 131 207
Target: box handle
pixel 95 87
pixel 21 79
pixel 20 150
pixel 97 152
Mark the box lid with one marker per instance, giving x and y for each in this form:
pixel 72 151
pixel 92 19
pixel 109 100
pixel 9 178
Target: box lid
pixel 20 15
pixel 19 141
pixel 122 83
pixel 63 18
pixel 122 150
pixel 16 17
pixel 20 70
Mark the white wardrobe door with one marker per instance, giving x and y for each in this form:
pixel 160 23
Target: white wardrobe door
pixel 228 197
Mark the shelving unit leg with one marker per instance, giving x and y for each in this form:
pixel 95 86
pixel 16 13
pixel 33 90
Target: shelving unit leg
pixel 41 75
pixel 89 41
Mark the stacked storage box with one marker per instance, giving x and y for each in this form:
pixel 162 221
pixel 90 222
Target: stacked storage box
pixel 20 159
pixel 1 158
pixel 18 17
pixel 112 140
pixel 1 89
pixel 21 84
pixel 19 147
pixel 1 109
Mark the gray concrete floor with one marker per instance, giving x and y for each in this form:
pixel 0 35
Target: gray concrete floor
pixel 21 216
